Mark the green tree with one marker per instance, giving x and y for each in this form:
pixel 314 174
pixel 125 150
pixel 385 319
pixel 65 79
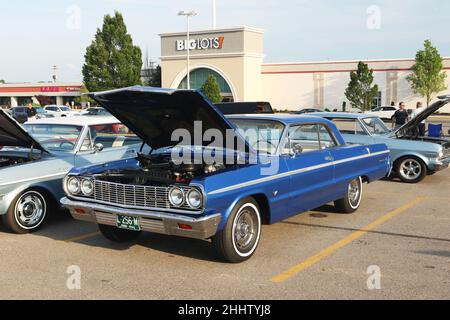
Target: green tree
pixel 2 81
pixel 211 89
pixel 83 99
pixel 112 61
pixel 427 77
pixel 360 91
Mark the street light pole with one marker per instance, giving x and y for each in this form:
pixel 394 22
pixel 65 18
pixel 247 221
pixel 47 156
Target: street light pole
pixel 188 44
pixel 214 14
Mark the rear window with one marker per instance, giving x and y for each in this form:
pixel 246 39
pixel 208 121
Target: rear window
pixel 348 126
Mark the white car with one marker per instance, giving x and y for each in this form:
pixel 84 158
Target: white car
pixel 384 113
pixel 61 111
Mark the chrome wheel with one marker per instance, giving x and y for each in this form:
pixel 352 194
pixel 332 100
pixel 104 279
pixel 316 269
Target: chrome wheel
pixel 246 230
pixel 355 193
pixel 410 169
pixel 30 210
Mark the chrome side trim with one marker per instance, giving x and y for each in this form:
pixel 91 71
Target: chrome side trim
pixel 294 172
pixel 62 174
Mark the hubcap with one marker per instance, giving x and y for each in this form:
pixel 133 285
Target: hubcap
pixel 246 230
pixel 354 192
pixel 410 169
pixel 30 210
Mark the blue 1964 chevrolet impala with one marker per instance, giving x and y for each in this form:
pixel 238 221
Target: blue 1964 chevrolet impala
pixel 286 164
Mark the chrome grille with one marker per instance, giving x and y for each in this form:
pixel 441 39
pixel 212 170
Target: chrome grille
pixel 446 152
pixel 135 196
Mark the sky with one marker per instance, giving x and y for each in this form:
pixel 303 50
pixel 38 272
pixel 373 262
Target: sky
pixel 35 35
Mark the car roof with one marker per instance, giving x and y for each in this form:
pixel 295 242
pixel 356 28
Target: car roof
pixel 344 115
pixel 76 120
pixel 286 118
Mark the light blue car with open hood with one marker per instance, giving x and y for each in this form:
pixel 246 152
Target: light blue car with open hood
pixel 34 159
pixel 413 156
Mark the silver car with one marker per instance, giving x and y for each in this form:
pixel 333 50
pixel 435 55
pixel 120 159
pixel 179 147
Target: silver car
pixel 35 158
pixel 413 156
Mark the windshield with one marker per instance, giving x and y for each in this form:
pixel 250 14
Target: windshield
pixel 375 126
pixel 65 108
pixel 55 137
pixel 263 135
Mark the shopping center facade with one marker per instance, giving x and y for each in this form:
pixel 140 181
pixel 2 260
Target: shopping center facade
pixel 235 56
pixel 19 94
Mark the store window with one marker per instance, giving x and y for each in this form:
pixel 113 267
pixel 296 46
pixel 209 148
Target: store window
pixel 377 101
pixel 199 77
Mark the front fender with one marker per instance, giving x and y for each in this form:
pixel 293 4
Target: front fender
pixel 226 203
pixel 52 187
pixel 397 155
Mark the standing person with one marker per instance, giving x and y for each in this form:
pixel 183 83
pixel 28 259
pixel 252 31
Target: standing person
pixel 422 125
pixel 400 116
pixel 30 110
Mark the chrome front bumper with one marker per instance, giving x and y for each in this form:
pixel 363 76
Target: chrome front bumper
pixel 151 221
pixel 440 164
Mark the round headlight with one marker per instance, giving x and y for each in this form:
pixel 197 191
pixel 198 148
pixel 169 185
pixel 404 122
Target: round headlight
pixel 176 197
pixel 87 187
pixel 74 185
pixel 194 199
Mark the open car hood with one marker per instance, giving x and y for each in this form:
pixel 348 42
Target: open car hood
pixel 12 134
pixel 412 125
pixel 154 114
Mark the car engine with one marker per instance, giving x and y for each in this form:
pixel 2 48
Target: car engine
pixel 159 170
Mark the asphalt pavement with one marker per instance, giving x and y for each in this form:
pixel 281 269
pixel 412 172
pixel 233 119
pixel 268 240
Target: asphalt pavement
pixel 397 246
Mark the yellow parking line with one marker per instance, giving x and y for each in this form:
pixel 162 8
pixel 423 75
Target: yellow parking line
pixel 83 236
pixel 342 243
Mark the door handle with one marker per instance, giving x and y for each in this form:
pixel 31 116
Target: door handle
pixel 329 158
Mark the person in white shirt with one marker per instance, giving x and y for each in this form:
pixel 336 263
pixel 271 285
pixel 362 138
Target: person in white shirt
pixel 419 109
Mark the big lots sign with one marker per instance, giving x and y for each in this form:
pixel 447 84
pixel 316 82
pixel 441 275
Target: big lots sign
pixel 200 44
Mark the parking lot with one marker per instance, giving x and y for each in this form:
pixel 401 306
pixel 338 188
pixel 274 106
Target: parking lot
pixel 401 231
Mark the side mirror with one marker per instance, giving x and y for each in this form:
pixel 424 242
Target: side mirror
pixel 98 147
pixel 296 150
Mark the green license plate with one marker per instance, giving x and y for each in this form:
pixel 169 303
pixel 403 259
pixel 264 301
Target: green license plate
pixel 128 223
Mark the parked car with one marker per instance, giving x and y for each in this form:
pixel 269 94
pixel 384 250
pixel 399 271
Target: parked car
pixel 385 113
pixel 95 112
pixel 61 111
pixel 20 114
pixel 307 110
pixel 228 108
pixel 39 113
pixel 35 158
pixel 223 200
pixel 412 156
